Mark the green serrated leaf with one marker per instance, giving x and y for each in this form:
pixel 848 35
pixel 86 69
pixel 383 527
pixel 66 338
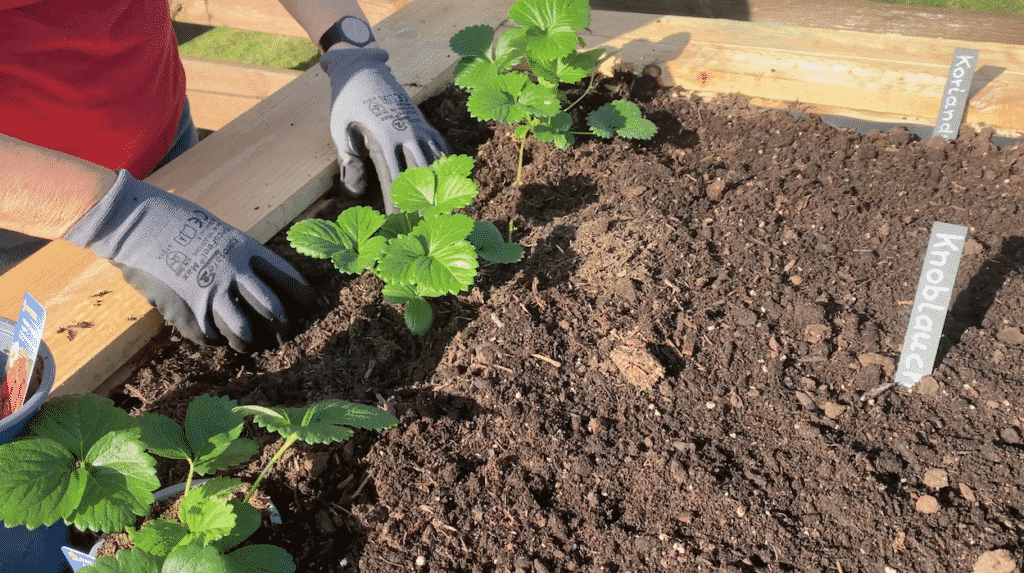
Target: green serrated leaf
pixel 491 246
pixel 497 100
pixel 39 482
pixel 556 130
pixel 574 67
pixel 247 521
pixel 413 189
pixel 521 131
pixel 472 41
pixel 472 72
pixel 211 427
pixel 435 254
pixel 508 48
pixel 324 422
pixel 317 238
pixel 453 166
pixel 549 45
pixel 122 478
pixel 158 536
pixel 79 421
pixel 125 561
pixel 164 437
pixel 207 518
pixel 550 14
pixel 219 487
pixel 418 316
pixel 400 224
pixel 539 101
pixel 260 559
pixel 621 118
pixel 194 558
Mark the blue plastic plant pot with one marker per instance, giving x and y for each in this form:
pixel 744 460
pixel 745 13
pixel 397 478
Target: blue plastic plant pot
pixel 23 550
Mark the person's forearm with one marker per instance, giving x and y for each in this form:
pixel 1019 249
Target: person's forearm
pixel 44 192
pixel 315 16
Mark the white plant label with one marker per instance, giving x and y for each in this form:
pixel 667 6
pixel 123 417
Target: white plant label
pixel 954 97
pixel 934 290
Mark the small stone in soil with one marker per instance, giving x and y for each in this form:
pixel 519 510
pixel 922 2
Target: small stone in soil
pixel 936 478
pixel 927 385
pixel 998 561
pixel 1010 335
pixel 833 410
pixel 927 504
pixel 1010 435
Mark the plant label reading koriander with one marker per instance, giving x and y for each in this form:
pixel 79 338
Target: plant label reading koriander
pixel 934 289
pixel 954 96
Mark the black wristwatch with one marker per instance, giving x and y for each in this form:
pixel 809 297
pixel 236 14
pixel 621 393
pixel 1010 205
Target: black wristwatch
pixel 350 30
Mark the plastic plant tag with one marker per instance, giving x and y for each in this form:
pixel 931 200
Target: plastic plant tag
pixel 954 96
pixel 77 559
pixel 28 333
pixel 934 289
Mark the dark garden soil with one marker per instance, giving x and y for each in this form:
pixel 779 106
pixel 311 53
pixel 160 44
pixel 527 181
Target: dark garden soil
pixel 690 370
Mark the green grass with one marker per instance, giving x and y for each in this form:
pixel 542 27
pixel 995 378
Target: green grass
pixel 1002 6
pixel 242 46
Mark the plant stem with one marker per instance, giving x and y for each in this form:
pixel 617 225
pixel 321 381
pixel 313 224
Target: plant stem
pixel 277 455
pixel 585 92
pixel 191 471
pixel 519 170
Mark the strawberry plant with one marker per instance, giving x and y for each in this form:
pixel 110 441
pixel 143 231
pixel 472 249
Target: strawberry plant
pixel 86 462
pixel 424 251
pixel 548 38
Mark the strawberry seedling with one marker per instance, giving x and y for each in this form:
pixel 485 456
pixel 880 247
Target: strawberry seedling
pixel 548 38
pixel 86 462
pixel 424 251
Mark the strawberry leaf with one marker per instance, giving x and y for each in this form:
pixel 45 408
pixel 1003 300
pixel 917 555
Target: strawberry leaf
pixel 418 316
pixel 247 521
pixel 260 559
pixel 550 14
pixel 78 422
pixel 164 437
pixel 435 255
pixel 126 561
pixel 158 536
pixel 622 118
pixel 316 238
pixel 325 422
pixel 207 518
pixel 496 100
pixel 472 41
pixel 194 558
pixel 122 478
pixel 556 129
pixel 39 483
pixel 212 429
pixel 472 72
pixel 538 100
pixel 491 246
pixel 398 224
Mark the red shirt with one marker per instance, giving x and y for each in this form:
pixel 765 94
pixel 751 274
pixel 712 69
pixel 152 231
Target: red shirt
pixel 97 79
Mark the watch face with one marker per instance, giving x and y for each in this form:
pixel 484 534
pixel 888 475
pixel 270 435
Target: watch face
pixel 355 30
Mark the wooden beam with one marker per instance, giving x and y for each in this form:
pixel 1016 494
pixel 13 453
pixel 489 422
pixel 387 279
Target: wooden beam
pixel 257 173
pixel 219 91
pixel 264 15
pixel 850 73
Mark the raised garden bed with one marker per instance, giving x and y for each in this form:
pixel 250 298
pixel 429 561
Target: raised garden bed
pixel 682 374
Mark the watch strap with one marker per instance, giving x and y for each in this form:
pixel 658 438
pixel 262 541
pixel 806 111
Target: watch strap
pixel 336 35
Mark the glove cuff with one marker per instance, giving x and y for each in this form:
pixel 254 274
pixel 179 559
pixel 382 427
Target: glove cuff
pixel 351 60
pixel 119 208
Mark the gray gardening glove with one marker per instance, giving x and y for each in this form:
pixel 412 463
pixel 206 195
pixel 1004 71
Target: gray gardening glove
pixel 371 114
pixel 207 278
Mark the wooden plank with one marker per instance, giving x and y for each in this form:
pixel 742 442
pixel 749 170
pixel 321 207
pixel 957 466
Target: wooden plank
pixel 852 15
pixel 264 15
pixel 221 91
pixel 257 173
pixel 847 72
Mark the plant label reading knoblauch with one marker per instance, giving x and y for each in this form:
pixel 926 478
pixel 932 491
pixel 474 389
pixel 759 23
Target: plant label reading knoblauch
pixel 934 289
pixel 954 96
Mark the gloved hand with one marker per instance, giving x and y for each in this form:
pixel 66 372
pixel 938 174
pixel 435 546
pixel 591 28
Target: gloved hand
pixel 371 114
pixel 207 278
